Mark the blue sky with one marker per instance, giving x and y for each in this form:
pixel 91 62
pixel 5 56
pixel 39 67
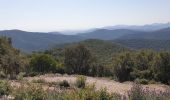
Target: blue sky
pixel 56 15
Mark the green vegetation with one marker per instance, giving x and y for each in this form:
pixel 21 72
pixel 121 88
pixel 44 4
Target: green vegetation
pixel 36 92
pixel 99 62
pixel 32 92
pixel 81 82
pixel 77 60
pixel 42 63
pixel 11 60
pixel 86 58
pixel 5 88
pixel 139 93
pixel 138 44
pixel 102 50
pixel 64 83
pixel 90 57
pixel 144 66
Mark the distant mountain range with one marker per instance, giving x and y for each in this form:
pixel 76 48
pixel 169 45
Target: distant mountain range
pixel 135 39
pixel 163 34
pixel 149 27
pixel 156 40
pixel 105 34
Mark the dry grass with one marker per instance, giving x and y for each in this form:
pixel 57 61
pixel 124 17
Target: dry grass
pixel 111 85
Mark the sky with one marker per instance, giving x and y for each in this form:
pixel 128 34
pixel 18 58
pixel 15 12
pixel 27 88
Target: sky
pixel 58 15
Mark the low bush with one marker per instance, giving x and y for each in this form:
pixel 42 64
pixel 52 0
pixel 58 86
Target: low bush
pixel 31 92
pixel 81 81
pixel 152 82
pixel 64 83
pixel 90 93
pixel 136 93
pixel 104 95
pixel 5 88
pixel 32 74
pixel 142 81
pixel 2 75
pixel 20 76
pixel 139 93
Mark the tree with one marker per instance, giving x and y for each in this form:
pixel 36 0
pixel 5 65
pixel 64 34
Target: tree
pixel 42 63
pixel 11 62
pixel 77 59
pixel 123 66
pixel 161 67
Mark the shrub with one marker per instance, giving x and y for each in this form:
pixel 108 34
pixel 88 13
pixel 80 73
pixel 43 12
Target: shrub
pixel 31 92
pixel 20 76
pixel 64 83
pixel 32 74
pixel 56 96
pixel 136 93
pixel 2 74
pixel 89 93
pixel 152 82
pixel 43 63
pixel 77 59
pixel 123 67
pixel 141 81
pixel 81 81
pixel 5 88
pixel 104 95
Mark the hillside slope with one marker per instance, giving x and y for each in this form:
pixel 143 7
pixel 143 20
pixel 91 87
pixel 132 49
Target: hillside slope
pixel 102 50
pixel 163 34
pixel 105 34
pixel 138 44
pixel 156 40
pixel 34 41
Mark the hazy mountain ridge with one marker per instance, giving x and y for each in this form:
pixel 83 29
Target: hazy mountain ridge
pixel 163 34
pixel 105 34
pixel 149 27
pixel 35 41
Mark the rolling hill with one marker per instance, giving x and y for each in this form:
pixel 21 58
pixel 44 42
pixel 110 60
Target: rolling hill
pixel 156 40
pixel 163 34
pixel 34 41
pixel 102 50
pixel 138 44
pixel 105 34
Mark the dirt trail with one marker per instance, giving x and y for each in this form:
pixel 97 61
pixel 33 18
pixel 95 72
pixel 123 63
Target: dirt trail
pixel 111 85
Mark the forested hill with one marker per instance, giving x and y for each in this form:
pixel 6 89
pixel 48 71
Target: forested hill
pixel 156 40
pixel 34 41
pixel 163 34
pixel 105 34
pixel 102 50
pixel 138 44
